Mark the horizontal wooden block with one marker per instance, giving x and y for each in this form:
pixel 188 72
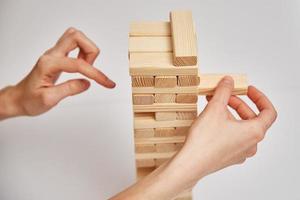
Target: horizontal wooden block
pixel 145 163
pixel 150 44
pixel 159 162
pixel 181 131
pixel 152 123
pixel 165 116
pixel 143 172
pixel 144 133
pixel 186 115
pixel 143 99
pixel 168 137
pixel 165 81
pixel 184 38
pixel 163 155
pixel 142 81
pixel 188 80
pixel 164 107
pixel 165 147
pixel 174 90
pixel 208 83
pixel 157 64
pixel 145 148
pixel 150 29
pixel 186 98
pixel 164 98
pixel 164 132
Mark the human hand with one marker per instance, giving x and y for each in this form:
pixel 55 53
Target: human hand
pixel 217 139
pixel 37 92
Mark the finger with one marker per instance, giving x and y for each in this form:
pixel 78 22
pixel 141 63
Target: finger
pixel 251 151
pixel 243 110
pixel 267 113
pixel 68 88
pixel 72 65
pixel 223 91
pixel 230 115
pixel 72 39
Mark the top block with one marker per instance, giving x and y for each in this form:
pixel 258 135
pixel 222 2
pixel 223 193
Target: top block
pixel 184 38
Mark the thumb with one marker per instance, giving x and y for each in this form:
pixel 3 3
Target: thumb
pixel 223 90
pixel 69 88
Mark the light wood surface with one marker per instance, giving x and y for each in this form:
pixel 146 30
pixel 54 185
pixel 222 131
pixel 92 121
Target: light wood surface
pixel 165 81
pixel 164 107
pixel 150 28
pixel 150 44
pixel 142 81
pixel 184 38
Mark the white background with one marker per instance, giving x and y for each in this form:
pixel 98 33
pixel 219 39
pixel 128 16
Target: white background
pixel 83 149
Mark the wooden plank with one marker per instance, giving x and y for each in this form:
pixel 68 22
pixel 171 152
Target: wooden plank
pixel 143 172
pixel 141 156
pixel 157 64
pixel 142 81
pixel 152 123
pixel 166 147
pixel 164 107
pixel 208 83
pixel 150 28
pixel 150 44
pixel 142 99
pixel 164 98
pixel 180 131
pixel 145 148
pixel 165 81
pixel 188 80
pixel 161 140
pixel 159 162
pixel 164 132
pixel 145 163
pixel 186 115
pixel 185 90
pixel 165 116
pixel 143 133
pixel 186 98
pixel 184 38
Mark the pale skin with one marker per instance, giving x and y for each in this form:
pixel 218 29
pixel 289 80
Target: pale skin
pixel 215 140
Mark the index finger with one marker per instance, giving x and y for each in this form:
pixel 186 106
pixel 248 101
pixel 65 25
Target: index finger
pixel 72 39
pixel 267 114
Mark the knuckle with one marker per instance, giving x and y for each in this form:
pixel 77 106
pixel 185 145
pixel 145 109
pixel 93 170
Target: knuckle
pixel 71 30
pixel 46 100
pixel 43 60
pixel 257 133
pixel 76 34
pixel 242 161
pixel 252 152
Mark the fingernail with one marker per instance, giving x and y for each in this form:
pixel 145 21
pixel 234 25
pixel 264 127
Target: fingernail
pixel 227 79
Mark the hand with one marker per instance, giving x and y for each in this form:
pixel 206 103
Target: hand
pixel 216 140
pixel 37 93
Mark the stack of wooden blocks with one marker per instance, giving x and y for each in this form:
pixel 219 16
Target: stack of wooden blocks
pixel 165 88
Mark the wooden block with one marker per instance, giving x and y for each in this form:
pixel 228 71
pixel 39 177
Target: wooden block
pixel 152 123
pixel 161 140
pixel 145 163
pixel 184 90
pixel 143 172
pixel 142 81
pixel 186 98
pixel 159 162
pixel 144 148
pixel 150 29
pixel 208 83
pixel 165 147
pixel 165 81
pixel 188 80
pixel 150 44
pixel 144 133
pixel 165 116
pixel 179 146
pixel 180 131
pixel 157 64
pixel 186 115
pixel 163 155
pixel 143 99
pixel 164 107
pixel 184 38
pixel 164 132
pixel 164 98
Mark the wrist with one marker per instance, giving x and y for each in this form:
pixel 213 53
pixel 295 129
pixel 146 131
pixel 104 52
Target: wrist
pixel 10 102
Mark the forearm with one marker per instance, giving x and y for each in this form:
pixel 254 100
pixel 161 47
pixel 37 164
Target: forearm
pixel 10 102
pixel 169 180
